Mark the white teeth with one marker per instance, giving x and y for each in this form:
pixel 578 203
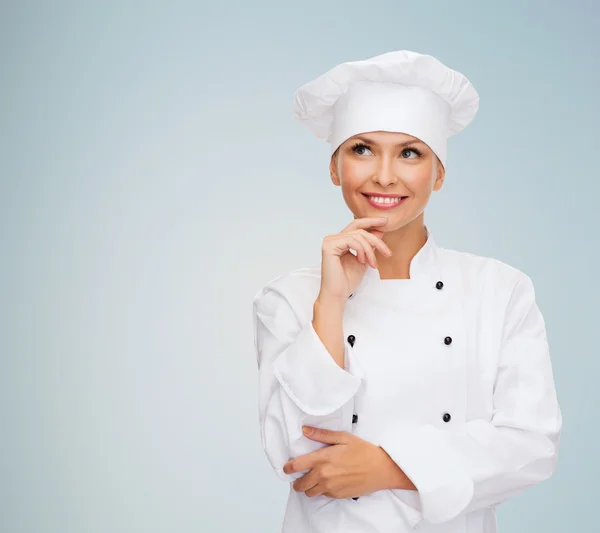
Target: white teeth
pixel 381 200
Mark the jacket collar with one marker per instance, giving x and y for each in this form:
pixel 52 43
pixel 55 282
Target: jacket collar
pixel 424 267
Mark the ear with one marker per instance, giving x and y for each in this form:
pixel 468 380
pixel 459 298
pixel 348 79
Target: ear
pixel 440 175
pixel 333 171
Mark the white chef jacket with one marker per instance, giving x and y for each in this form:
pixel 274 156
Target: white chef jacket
pixel 448 371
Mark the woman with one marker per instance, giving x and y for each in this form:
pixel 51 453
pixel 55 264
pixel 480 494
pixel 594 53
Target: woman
pixel 423 372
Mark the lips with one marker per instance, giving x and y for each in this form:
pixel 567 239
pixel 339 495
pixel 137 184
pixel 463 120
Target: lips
pixel 383 195
pixel 391 204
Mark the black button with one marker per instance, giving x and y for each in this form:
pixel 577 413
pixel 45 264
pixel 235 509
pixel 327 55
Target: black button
pixel 351 339
pixel 354 418
pixel 446 417
pixel 356 498
pixel 439 285
pixel 448 340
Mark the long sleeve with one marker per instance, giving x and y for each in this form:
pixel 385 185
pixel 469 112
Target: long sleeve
pixel 482 463
pixel 299 382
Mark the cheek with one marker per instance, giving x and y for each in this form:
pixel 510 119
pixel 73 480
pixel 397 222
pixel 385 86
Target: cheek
pixel 419 180
pixel 355 172
pixel 353 177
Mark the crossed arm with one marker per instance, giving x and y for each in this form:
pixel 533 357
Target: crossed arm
pixel 347 468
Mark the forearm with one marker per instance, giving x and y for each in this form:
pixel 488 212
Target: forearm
pixel 393 477
pixel 300 383
pixel 327 322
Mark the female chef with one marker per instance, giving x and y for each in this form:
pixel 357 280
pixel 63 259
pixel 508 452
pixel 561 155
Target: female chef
pixel 423 372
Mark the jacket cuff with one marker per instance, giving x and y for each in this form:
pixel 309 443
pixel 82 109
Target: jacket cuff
pixel 444 488
pixel 312 379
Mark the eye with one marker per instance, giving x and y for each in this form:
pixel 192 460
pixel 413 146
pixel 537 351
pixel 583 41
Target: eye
pixel 414 150
pixel 359 146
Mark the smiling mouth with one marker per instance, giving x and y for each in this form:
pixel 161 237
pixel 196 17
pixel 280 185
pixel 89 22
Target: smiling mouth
pixel 384 201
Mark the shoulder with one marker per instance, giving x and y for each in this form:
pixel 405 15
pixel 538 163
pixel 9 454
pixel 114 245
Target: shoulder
pixel 484 273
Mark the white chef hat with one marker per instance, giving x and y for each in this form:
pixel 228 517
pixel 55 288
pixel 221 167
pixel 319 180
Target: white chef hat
pixel 399 91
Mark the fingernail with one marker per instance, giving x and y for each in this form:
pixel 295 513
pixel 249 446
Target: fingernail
pixel 307 430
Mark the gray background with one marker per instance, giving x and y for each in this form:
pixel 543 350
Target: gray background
pixel 153 179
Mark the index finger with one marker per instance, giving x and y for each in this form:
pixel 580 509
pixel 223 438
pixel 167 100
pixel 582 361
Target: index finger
pixel 366 222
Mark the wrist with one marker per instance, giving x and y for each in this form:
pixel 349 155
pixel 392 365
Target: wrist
pixel 331 303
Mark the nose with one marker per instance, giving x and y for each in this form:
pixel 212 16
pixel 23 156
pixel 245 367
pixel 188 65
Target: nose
pixel 385 172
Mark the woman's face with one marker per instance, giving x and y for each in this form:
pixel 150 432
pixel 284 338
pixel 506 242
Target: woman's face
pixel 387 163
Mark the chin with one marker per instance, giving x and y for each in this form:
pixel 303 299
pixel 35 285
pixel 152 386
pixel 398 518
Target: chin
pixel 394 225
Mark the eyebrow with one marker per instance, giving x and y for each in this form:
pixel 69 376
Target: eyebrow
pixel 412 141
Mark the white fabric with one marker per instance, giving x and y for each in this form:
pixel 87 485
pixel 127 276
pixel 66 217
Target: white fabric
pixel 400 378
pixel 400 91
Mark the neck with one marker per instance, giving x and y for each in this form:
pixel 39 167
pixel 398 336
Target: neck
pixel 404 242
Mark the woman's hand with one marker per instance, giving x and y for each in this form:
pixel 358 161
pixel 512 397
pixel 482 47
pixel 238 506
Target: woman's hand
pixel 341 271
pixel 348 468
